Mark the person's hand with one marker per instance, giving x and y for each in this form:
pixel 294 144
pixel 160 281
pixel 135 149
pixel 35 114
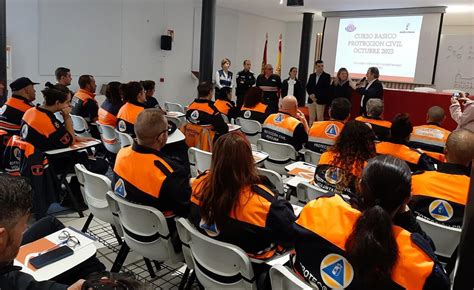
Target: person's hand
pixel 77 285
pixel 66 111
pixel 300 116
pixel 83 139
pixel 454 101
pixel 312 97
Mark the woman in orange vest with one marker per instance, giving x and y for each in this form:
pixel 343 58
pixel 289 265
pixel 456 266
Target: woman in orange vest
pixel 231 203
pixel 254 108
pixel 373 244
pixel 109 109
pixel 224 103
pixel 341 166
pixel 134 95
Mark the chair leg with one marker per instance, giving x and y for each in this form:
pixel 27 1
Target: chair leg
pixel 87 223
pixel 71 196
pixel 157 265
pixel 121 256
pixel 184 279
pixel 117 236
pixel 149 267
pixel 191 279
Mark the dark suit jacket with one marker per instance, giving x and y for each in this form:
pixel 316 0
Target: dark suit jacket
pixel 374 91
pixel 298 91
pixel 322 90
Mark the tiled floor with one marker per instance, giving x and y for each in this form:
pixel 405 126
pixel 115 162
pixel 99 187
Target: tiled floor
pixel 168 277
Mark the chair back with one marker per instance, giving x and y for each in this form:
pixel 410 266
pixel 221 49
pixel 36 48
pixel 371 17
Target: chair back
pixel 312 157
pixel 110 138
pixel 424 89
pixel 80 126
pixel 445 238
pixel 274 178
pixel 218 265
pixel 283 278
pixel 199 160
pixel 251 128
pixel 174 107
pixel 280 155
pixel 59 117
pixel 145 230
pixel 225 118
pixel 306 192
pixel 175 120
pixel 124 138
pixel 114 209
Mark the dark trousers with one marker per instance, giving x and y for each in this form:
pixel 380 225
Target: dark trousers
pixel 49 225
pixel 240 101
pixel 271 100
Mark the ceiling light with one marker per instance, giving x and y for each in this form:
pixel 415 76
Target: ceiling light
pixel 281 2
pixel 459 8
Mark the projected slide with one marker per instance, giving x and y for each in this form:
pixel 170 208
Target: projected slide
pixel 389 43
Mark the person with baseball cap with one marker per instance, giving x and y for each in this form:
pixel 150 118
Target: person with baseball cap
pixel 12 112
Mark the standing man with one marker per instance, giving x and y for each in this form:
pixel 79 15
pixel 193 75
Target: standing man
pixel 318 88
pixel 84 103
pixel 270 84
pixel 245 80
pixel 63 76
pixel 369 88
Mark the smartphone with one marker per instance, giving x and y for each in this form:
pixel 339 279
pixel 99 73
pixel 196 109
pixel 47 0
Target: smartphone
pixel 51 257
pixel 455 95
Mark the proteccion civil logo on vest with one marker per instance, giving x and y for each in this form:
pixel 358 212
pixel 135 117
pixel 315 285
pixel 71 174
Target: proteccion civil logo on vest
pixel 441 210
pixel 195 115
pixel 332 131
pixel 336 271
pixel 247 114
pixel 278 118
pixel 122 126
pixel 24 132
pixel 211 230
pixel 119 188
pixel 2 109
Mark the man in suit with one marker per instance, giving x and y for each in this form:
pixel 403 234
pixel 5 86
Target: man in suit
pixel 369 88
pixel 318 89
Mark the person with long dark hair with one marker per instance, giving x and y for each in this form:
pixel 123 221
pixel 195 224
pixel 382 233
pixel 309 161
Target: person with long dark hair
pixel 134 96
pixel 373 244
pixel 230 203
pixel 341 166
pixel 224 103
pixel 110 107
pixel 254 108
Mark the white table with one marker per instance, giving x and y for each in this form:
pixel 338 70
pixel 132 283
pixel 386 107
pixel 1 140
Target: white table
pixel 259 156
pixel 175 114
pixel 74 147
pixel 177 136
pixel 233 127
pixel 301 172
pixel 81 253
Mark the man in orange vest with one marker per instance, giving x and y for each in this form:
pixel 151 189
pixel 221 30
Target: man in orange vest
pixel 430 137
pixel 84 103
pixel 323 134
pixel 441 195
pixel 288 125
pixel 373 119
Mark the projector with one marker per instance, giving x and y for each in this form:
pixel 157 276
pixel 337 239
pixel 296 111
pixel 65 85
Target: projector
pixel 295 3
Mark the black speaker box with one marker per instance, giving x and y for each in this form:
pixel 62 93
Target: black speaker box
pixel 295 3
pixel 166 42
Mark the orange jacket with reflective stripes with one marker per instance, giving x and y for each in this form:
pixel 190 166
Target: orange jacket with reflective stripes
pixel 323 134
pixel 283 128
pixel 429 137
pixel 380 127
pixel 127 117
pixel 12 112
pixel 258 113
pixel 323 227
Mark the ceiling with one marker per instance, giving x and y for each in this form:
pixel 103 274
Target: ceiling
pixel 459 12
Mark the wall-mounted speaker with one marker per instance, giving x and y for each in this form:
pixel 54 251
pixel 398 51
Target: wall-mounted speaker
pixel 166 42
pixel 295 3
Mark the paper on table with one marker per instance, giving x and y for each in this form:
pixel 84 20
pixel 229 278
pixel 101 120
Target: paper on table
pixel 259 156
pixel 84 144
pixel 175 114
pixel 295 180
pixel 233 127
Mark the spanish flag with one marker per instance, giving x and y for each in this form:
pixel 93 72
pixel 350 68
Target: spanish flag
pixel 264 60
pixel 278 62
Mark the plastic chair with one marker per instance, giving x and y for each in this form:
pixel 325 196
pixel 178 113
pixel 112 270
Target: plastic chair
pixel 306 192
pixel 225 118
pixel 280 155
pixel 199 160
pixel 424 89
pixel 177 121
pixel 274 178
pixel 251 128
pixel 217 265
pixel 174 107
pixel 283 278
pixel 145 232
pixel 124 138
pixel 445 238
pixel 311 157
pixel 59 117
pixel 80 126
pixel 110 138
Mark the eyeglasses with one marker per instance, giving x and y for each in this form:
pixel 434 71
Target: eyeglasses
pixel 66 238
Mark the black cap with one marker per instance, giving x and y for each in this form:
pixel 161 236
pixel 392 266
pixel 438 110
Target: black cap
pixel 21 83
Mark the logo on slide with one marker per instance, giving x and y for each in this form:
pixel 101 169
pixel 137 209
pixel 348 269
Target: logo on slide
pixel 350 28
pixel 336 271
pixel 407 26
pixel 441 210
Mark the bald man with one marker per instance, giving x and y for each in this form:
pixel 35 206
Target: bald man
pixel 430 137
pixel 144 175
pixel 288 125
pixel 441 195
pixel 270 84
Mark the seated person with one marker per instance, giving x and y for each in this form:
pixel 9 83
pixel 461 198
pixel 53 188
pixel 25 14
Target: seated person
pixel 84 103
pixel 373 119
pixel 23 93
pixel 341 166
pixel 110 107
pixel 288 125
pixel 134 96
pixel 224 103
pixel 144 175
pixel 397 145
pixel 441 195
pixel 430 137
pixel 373 244
pixel 16 195
pixel 229 203
pixel 203 117
pixel 254 108
pixel 151 102
pixel 323 134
